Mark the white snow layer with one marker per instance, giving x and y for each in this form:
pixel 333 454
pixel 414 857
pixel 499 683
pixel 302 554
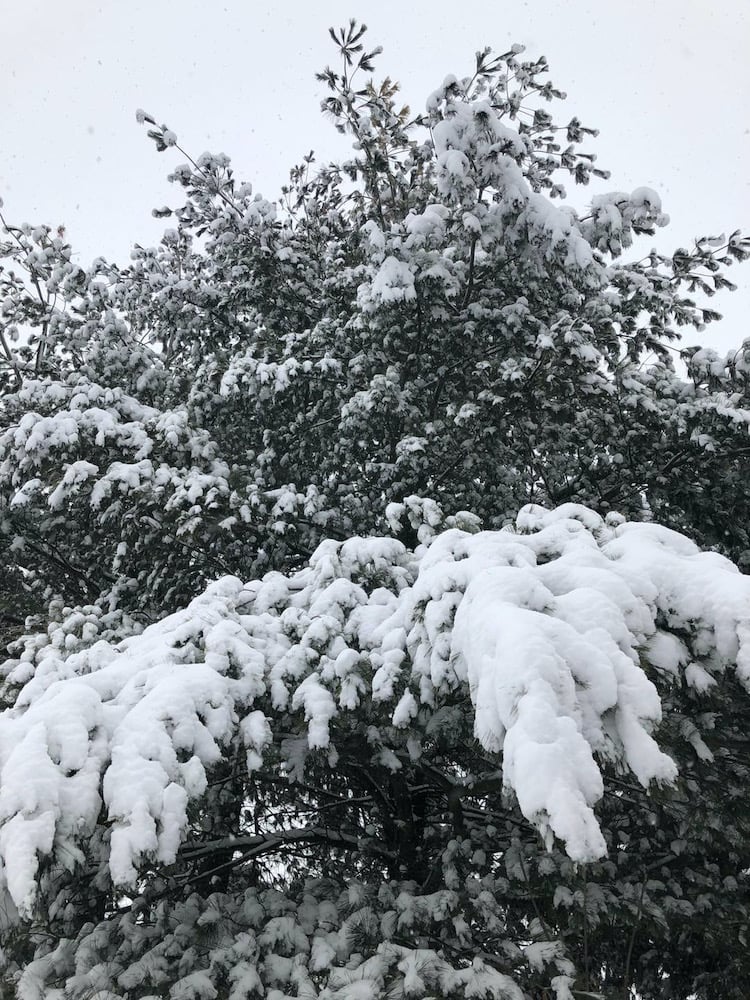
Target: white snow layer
pixel 547 628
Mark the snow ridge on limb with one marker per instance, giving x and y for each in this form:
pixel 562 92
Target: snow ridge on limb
pixel 546 628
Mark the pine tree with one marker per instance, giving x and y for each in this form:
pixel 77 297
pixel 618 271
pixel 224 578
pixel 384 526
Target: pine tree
pixel 411 758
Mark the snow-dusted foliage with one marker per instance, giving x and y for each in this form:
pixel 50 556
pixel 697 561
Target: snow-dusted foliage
pixel 350 687
pixel 428 317
pixel 413 757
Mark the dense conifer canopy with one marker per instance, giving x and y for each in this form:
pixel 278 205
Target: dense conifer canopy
pixel 373 631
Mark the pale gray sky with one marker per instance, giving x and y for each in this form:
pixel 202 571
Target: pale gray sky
pixel 667 82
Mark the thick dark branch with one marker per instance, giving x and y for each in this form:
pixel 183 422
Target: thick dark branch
pixel 267 843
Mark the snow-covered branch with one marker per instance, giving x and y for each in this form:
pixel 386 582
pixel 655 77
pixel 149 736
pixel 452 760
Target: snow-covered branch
pixel 554 631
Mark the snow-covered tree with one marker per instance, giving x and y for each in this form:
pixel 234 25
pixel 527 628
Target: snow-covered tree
pixel 505 764
pixel 412 758
pixel 425 318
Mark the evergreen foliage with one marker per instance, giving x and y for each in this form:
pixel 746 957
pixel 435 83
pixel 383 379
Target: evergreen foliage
pixel 411 758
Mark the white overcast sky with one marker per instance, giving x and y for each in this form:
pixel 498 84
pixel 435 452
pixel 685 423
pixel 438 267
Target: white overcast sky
pixel 667 82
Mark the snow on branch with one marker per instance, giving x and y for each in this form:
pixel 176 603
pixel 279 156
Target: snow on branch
pixel 554 631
